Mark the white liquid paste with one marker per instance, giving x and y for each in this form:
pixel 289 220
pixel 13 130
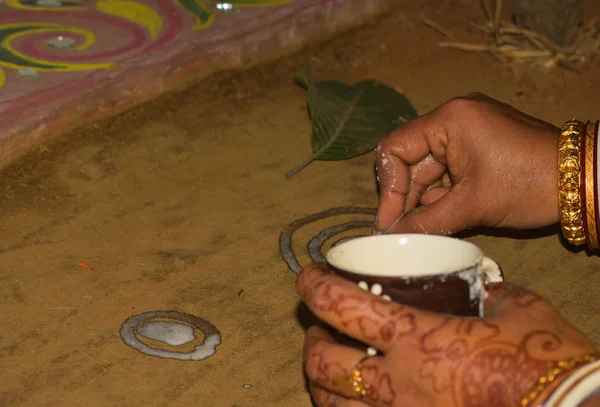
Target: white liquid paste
pixel 172 333
pixel 176 332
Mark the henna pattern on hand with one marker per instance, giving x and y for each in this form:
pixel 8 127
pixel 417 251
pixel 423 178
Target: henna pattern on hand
pixel 323 397
pixel 321 371
pixel 327 374
pixel 381 323
pixel 381 390
pixel 479 367
pixel 468 362
pixel 518 296
pixel 375 318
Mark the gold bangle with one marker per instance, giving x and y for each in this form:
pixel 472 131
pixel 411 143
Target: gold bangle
pixel 590 187
pixel 569 182
pixel 546 384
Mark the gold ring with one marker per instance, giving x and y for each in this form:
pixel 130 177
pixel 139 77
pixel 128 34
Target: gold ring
pixel 352 384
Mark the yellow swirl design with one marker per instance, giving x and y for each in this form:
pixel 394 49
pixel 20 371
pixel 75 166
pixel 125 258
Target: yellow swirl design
pixel 70 5
pixel 137 13
pixel 12 58
pixel 134 11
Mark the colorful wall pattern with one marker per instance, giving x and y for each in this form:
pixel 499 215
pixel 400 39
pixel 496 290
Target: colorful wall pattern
pixel 65 62
pixel 61 36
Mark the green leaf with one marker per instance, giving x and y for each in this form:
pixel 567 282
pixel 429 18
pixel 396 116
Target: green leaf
pixel 348 121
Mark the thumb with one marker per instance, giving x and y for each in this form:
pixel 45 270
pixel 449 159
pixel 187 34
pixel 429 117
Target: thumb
pixel 447 215
pixel 504 297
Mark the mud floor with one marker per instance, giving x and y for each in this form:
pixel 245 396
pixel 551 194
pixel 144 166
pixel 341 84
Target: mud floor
pixel 178 205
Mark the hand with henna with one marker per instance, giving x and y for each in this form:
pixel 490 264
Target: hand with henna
pixel 430 359
pixel 471 162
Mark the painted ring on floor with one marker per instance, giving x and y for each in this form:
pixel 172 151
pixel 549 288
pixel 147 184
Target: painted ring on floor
pixel 315 245
pixel 212 336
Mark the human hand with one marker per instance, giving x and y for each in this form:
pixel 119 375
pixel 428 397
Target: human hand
pixel 432 359
pixel 498 168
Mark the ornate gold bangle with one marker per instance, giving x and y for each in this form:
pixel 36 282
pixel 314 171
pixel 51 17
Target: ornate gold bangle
pixel 547 384
pixel 569 182
pixel 582 183
pixel 590 188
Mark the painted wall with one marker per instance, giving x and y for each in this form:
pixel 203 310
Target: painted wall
pixel 62 63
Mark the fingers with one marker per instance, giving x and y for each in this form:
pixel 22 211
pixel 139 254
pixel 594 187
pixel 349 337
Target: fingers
pixel 422 176
pixel 325 398
pixel 436 190
pixel 328 365
pixel 419 143
pixel 444 212
pixel 364 316
pixel 433 194
pixel 506 297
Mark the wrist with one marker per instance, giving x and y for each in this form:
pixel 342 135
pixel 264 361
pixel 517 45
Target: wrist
pixel 553 198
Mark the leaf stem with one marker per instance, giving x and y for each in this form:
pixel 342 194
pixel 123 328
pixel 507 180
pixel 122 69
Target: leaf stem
pixel 301 166
pixel 303 77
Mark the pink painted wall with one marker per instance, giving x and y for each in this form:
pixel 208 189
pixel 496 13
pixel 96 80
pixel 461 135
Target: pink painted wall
pixel 136 56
